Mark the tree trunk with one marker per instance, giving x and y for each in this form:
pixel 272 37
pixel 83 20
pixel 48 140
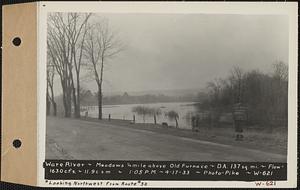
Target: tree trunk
pixel 53 101
pixel 65 101
pixel 78 96
pixel 48 104
pixel 154 119
pixel 76 114
pixel 99 102
pixel 76 110
pixel 68 103
pixel 100 89
pixel 65 105
pixel 64 90
pixel 176 122
pixel 67 97
pixel 67 109
pixel 73 92
pixel 54 105
pixel 54 108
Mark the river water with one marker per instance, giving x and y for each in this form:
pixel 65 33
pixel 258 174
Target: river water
pixel 184 110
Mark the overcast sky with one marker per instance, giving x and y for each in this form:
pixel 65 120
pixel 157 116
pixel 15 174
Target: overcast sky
pixel 185 51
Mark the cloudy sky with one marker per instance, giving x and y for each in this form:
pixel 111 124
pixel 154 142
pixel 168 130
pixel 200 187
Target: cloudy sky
pixel 185 51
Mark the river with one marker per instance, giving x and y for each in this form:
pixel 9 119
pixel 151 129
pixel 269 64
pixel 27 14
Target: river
pixel 184 110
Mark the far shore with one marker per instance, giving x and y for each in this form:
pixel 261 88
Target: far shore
pixel 187 103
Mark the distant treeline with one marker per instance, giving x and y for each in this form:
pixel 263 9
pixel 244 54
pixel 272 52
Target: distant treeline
pixel 89 98
pixel 264 95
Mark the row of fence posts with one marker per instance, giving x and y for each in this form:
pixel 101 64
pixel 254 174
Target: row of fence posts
pixel 195 121
pixel 109 118
pixel 109 115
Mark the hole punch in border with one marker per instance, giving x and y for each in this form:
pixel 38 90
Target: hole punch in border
pixel 17 143
pixel 17 41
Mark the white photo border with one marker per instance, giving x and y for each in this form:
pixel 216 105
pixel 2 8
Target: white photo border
pixel 250 8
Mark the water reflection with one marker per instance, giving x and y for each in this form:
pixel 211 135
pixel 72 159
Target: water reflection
pixel 185 111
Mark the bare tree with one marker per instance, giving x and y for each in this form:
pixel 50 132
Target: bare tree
pixel 264 95
pixel 173 115
pixel 236 80
pixel 101 45
pixel 215 88
pixel 280 91
pixel 142 110
pixel 76 33
pixel 215 91
pixel 48 102
pixel 155 112
pixel 66 35
pixel 281 71
pixel 58 47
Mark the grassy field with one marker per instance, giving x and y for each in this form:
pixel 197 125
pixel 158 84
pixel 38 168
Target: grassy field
pixel 92 139
pixel 275 141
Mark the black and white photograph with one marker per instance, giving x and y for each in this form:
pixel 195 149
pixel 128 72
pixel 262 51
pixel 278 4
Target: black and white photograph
pixel 148 95
pixel 173 87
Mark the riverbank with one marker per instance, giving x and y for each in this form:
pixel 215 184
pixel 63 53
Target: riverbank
pixel 275 141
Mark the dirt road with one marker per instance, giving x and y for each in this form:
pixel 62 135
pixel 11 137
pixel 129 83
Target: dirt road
pixel 88 140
